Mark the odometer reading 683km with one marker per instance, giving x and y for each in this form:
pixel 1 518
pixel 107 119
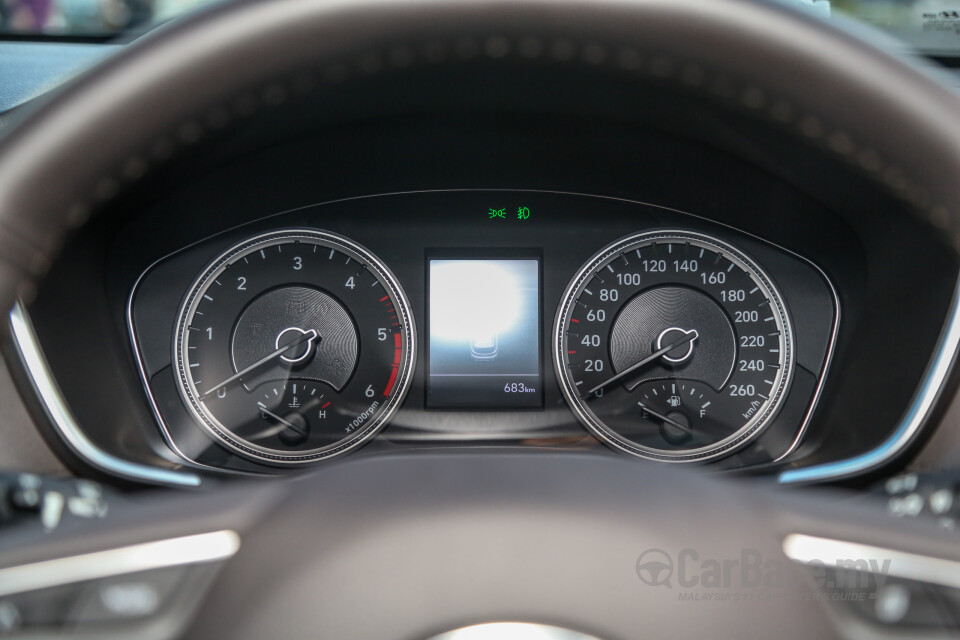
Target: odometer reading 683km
pixel 294 346
pixel 673 346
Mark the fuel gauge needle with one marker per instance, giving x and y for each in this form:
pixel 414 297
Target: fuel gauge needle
pixel 670 421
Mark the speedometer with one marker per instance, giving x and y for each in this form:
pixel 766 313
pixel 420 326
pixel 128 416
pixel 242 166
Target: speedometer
pixel 673 346
pixel 294 346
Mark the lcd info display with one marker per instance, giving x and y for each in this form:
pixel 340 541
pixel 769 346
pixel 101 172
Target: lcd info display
pixel 484 333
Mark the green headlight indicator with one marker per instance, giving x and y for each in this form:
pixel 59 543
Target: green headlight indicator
pixel 523 213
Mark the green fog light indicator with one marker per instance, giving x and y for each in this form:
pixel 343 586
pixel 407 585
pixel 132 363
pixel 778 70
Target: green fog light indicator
pixel 523 213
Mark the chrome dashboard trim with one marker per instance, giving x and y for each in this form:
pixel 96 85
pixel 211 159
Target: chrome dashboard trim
pixel 827 360
pixel 34 363
pixel 154 409
pixel 915 417
pixel 148 556
pixel 805 549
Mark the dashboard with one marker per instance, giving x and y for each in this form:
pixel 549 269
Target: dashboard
pixel 492 319
pixel 484 287
pixel 668 282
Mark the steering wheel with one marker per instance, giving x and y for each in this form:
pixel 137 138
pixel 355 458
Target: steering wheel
pixel 410 546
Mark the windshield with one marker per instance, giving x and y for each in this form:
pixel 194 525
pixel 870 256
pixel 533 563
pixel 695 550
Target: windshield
pixel 95 18
pixel 931 26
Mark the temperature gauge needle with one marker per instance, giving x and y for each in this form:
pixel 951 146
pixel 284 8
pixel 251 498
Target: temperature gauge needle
pixel 693 335
pixel 308 335
pixel 264 409
pixel 670 421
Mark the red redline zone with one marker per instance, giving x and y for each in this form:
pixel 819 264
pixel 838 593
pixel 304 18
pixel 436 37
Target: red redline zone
pixel 395 367
pixel 393 378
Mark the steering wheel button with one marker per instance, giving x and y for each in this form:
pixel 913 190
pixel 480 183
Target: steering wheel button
pixel 892 604
pixel 10 620
pixel 130 597
pixel 941 501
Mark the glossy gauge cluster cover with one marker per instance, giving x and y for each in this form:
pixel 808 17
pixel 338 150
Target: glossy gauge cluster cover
pixel 294 346
pixel 322 320
pixel 674 346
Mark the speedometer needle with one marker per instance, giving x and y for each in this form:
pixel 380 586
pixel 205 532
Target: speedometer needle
pixel 310 334
pixel 693 335
pixel 669 421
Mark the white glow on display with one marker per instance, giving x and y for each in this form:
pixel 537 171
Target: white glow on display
pixel 472 300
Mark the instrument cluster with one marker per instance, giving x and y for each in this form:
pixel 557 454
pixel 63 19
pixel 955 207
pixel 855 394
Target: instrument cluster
pixel 516 320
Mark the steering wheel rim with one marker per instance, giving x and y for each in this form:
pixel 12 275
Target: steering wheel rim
pixel 191 80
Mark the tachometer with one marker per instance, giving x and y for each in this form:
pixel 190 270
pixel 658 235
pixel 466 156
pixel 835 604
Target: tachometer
pixel 673 346
pixel 294 346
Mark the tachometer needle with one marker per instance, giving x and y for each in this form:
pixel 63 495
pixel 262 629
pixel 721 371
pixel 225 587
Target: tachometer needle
pixel 669 421
pixel 310 334
pixel 693 335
